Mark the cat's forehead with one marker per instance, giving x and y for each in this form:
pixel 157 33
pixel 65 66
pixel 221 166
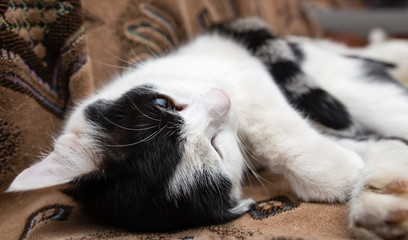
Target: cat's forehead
pixel 79 121
pixel 176 84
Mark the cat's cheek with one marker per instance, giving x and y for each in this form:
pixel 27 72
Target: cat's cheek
pixel 233 161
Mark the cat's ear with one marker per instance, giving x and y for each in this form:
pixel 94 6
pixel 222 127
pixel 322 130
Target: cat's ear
pixel 71 158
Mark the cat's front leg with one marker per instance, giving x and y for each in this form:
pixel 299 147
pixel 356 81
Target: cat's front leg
pixel 322 171
pixel 379 203
pixel 317 168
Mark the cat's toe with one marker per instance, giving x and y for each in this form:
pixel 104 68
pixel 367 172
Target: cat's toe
pixel 397 186
pixel 381 212
pixel 397 217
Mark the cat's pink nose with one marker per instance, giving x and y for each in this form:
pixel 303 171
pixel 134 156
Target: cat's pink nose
pixel 218 102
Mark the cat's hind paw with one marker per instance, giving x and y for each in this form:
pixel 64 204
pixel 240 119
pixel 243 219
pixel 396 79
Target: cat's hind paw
pixel 381 212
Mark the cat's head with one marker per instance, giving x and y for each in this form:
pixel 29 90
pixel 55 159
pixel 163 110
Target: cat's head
pixel 160 155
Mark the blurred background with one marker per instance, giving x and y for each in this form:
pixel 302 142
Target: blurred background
pixel 352 21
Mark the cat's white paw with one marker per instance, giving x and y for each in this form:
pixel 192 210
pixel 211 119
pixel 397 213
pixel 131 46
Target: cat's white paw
pixel 379 206
pixel 381 211
pixel 332 177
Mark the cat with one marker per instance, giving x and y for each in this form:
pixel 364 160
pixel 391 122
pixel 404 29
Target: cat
pixel 165 145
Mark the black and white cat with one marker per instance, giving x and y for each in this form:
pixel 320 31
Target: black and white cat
pixel 161 147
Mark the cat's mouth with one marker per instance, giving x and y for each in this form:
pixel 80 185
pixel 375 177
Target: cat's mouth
pixel 215 146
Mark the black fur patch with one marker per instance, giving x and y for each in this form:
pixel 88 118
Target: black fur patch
pixel 284 72
pixel 323 108
pixel 252 39
pixel 143 146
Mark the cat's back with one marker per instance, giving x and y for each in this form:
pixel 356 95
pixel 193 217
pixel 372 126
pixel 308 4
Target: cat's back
pixel 208 58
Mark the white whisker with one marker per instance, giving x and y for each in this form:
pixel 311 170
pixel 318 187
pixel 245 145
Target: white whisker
pixel 122 127
pixel 113 66
pixel 249 165
pixel 148 138
pixel 129 63
pixel 140 111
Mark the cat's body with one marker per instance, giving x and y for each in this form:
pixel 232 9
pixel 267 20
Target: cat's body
pixel 166 139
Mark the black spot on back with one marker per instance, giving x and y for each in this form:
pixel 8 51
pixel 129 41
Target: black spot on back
pixel 251 38
pixel 321 107
pixel 284 72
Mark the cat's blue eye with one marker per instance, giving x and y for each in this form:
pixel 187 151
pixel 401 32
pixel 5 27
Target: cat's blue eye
pixel 164 103
pixel 167 103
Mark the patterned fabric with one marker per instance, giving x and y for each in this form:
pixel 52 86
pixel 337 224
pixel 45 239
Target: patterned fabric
pixel 53 212
pixel 35 50
pixel 273 206
pixel 42 55
pixel 45 67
